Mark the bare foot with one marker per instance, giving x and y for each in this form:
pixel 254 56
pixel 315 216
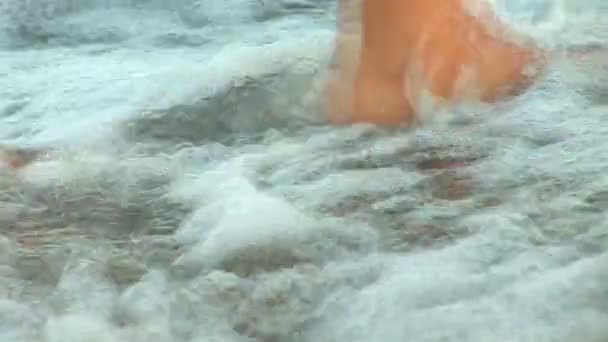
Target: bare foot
pixel 16 158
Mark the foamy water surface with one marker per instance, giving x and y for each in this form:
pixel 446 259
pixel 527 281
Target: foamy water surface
pixel 190 192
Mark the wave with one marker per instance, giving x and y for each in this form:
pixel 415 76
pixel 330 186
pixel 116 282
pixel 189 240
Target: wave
pixel 75 22
pixel 209 207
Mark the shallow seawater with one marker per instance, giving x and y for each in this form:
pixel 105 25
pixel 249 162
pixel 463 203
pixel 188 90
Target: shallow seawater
pixel 187 191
